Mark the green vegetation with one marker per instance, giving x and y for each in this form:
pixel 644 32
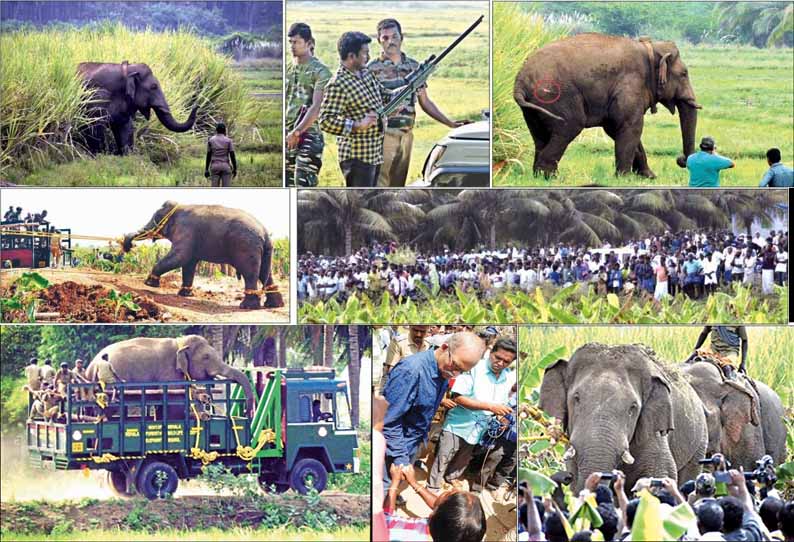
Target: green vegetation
pixel 280 533
pixel 43 107
pixel 747 96
pixel 567 305
pixel 768 361
pixel 25 299
pixel 459 87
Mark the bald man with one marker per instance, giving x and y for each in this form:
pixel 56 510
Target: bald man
pixel 414 390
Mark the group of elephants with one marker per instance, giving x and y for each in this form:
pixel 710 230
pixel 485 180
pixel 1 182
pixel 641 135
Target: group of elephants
pixel 624 409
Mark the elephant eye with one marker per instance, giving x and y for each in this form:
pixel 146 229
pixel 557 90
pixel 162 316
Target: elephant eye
pixel 576 398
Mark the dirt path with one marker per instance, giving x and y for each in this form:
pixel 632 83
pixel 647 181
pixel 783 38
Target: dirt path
pixel 216 299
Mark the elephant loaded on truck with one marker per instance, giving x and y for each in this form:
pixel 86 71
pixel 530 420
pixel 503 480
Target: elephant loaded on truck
pixel 214 234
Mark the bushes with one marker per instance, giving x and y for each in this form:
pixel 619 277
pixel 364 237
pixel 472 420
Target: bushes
pixel 43 103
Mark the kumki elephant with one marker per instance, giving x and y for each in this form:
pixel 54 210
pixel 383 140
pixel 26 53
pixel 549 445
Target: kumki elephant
pixel 214 234
pixel 119 92
pixel 168 360
pixel 745 422
pixel 624 409
pixel 593 80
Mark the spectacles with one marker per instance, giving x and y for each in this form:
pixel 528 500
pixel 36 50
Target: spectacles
pixel 457 369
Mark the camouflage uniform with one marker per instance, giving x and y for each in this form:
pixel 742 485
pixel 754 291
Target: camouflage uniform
pixel 304 162
pixel 399 138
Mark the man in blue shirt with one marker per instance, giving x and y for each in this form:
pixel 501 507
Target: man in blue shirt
pixel 705 166
pixel 480 394
pixel 778 175
pixel 416 387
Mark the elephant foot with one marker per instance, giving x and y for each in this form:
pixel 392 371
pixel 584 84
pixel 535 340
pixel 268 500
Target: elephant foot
pixel 273 300
pixel 647 173
pixel 186 291
pixel 251 301
pixel 681 161
pixel 152 280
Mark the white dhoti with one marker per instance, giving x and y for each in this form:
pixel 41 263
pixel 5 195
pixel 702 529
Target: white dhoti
pixel 767 281
pixel 661 290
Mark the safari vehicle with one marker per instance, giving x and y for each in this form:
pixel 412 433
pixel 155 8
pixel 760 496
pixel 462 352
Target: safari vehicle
pixel 148 436
pixel 21 246
pixel 460 159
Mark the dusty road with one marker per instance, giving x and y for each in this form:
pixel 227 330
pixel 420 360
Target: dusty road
pixel 216 299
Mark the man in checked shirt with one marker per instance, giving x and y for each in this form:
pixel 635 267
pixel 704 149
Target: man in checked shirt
pixel 348 111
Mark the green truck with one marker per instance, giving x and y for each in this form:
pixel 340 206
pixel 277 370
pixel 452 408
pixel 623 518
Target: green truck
pixel 149 435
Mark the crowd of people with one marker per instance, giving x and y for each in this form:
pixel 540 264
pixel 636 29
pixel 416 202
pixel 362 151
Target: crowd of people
pixel 694 263
pixel 34 220
pixel 447 430
pixel 701 509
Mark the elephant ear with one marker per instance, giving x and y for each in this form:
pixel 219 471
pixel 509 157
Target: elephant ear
pixel 656 416
pixel 554 391
pixel 738 408
pixel 663 66
pixel 185 348
pixel 130 79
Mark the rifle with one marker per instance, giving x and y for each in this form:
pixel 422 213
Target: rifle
pixel 418 77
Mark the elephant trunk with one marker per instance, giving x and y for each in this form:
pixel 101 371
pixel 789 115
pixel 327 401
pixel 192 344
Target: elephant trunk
pixel 242 380
pixel 599 450
pixel 688 117
pixel 168 120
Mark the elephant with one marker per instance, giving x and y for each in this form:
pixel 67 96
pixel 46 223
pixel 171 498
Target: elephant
pixel 119 92
pixel 593 80
pixel 214 234
pixel 166 360
pixel 743 423
pixel 624 409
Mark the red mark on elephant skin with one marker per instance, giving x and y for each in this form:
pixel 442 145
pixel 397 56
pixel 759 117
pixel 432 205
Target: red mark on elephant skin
pixel 547 90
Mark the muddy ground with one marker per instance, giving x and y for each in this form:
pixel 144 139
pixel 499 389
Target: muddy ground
pixel 184 513
pixel 215 299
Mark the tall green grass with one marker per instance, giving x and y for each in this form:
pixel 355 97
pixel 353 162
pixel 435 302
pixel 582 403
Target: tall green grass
pixel 517 33
pixel 43 102
pixel 285 534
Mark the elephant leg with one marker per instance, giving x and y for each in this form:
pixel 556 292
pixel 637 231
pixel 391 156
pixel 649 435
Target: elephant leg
pixel 640 164
pixel 540 135
pixel 547 160
pixel 122 133
pixel 251 300
pixel 171 261
pixel 188 273
pixel 626 140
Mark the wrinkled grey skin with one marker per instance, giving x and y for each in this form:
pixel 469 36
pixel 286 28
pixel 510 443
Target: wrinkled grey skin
pixel 592 80
pixel 118 97
pixel 614 399
pixel 742 425
pixel 148 360
pixel 216 234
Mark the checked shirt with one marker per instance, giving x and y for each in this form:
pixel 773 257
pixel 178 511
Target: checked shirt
pixel 348 98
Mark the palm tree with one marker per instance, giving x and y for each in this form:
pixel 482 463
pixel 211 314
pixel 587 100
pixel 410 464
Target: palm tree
pixel 764 24
pixel 328 346
pixel 354 370
pixel 337 218
pixel 747 206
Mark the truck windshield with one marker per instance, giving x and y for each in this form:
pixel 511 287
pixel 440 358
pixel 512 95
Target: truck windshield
pixel 343 420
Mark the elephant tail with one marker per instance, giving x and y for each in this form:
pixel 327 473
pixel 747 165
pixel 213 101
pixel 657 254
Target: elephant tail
pixel 265 274
pixel 521 101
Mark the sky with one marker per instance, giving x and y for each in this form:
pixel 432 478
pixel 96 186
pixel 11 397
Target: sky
pixel 115 212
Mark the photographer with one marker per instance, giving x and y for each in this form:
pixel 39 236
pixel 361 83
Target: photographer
pixel 741 521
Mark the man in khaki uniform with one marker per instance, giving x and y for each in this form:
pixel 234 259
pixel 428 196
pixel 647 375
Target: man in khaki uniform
pixel 391 68
pixel 63 378
pixel 401 347
pixel 106 375
pixel 47 373
pixel 726 342
pixel 220 165
pixel 33 374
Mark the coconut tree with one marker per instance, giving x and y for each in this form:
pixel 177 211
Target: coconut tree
pixel 764 24
pixel 354 370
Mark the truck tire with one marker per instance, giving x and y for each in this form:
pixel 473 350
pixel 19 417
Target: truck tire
pixel 157 480
pixel 308 474
pixel 117 483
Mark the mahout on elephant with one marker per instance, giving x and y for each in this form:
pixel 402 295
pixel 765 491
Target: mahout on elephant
pixel 119 91
pixel 744 417
pixel 592 80
pixel 216 234
pixel 622 408
pixel 168 360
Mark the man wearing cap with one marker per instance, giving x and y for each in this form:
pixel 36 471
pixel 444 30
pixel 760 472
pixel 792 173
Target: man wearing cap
pixel 705 166
pixel 62 379
pixel 392 68
pixel 47 373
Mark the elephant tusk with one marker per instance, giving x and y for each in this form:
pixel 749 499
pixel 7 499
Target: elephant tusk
pixel 627 458
pixel 570 453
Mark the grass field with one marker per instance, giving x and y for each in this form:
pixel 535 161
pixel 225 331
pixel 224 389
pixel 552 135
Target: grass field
pixel 748 106
pixel 246 95
pixel 459 86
